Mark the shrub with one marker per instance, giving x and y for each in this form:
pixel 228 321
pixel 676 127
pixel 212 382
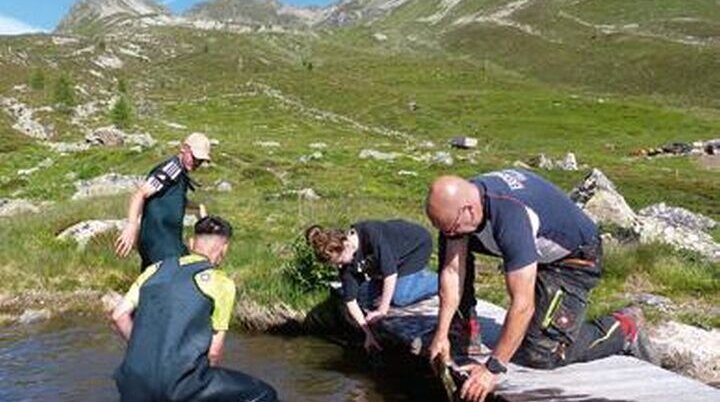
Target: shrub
pixel 64 95
pixel 37 80
pixel 304 270
pixel 121 113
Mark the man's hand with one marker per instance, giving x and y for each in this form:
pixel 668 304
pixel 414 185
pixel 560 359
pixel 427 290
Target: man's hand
pixel 371 343
pixel 479 385
pixel 126 241
pixel 440 347
pixel 376 315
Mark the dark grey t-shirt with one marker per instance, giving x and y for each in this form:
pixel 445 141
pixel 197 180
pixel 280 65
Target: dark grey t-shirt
pixel 385 248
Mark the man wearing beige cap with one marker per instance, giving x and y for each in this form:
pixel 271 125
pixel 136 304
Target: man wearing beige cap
pixel 162 201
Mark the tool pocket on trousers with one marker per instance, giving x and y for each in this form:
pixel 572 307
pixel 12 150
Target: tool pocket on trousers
pixel 564 316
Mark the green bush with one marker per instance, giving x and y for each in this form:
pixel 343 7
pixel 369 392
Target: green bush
pixel 121 113
pixel 64 94
pixel 304 271
pixel 122 86
pixel 37 80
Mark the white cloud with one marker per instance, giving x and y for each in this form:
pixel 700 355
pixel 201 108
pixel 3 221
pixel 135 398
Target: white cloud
pixel 11 26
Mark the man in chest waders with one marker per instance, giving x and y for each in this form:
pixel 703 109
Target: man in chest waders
pixel 162 200
pixel 174 319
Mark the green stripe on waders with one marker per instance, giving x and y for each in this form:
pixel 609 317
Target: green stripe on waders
pixel 554 304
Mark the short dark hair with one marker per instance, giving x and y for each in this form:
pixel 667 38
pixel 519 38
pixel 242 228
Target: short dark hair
pixel 213 225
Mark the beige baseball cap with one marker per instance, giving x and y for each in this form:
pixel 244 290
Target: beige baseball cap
pixel 199 145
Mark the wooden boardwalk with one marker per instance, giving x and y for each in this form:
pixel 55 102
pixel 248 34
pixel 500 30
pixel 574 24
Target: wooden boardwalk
pixel 613 379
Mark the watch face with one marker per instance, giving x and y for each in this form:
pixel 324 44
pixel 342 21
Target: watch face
pixel 494 366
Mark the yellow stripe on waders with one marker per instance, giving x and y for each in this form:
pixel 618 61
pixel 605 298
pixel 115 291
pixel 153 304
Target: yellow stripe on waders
pixel 554 304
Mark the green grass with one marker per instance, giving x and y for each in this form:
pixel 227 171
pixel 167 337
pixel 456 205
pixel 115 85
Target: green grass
pixel 517 101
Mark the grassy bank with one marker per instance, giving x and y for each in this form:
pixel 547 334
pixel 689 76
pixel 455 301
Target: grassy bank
pixel 349 96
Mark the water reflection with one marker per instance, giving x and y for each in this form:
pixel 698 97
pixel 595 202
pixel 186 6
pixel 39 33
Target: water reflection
pixel 73 361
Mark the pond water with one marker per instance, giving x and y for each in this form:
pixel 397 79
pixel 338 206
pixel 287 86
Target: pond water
pixel 73 360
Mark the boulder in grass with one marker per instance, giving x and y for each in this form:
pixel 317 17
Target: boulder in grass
pixel 677 216
pixel 109 184
pixel 378 155
pixel 12 207
pixel 599 198
pixel 688 349
pixel 85 231
pixel 106 137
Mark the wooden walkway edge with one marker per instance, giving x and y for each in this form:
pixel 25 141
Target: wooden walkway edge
pixel 613 379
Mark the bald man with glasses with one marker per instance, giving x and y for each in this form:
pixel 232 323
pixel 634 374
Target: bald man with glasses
pixel 551 256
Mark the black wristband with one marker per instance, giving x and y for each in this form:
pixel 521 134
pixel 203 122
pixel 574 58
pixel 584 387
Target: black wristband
pixel 495 366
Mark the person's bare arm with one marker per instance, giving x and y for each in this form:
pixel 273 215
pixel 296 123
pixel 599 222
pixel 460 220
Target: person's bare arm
pixel 521 288
pixel 452 276
pixel 217 345
pixel 122 321
pixel 126 241
pixel 357 315
pixel 388 291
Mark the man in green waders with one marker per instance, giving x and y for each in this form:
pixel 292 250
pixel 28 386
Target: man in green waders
pixel 162 200
pixel 174 318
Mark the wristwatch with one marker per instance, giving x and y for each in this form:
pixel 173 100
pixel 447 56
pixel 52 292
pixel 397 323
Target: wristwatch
pixel 495 366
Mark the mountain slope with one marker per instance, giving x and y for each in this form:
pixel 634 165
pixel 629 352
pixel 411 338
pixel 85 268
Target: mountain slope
pixel 87 15
pixel 254 12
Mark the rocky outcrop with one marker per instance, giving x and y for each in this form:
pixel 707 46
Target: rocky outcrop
pixel 599 198
pixel 224 186
pixel 109 184
pixel 83 232
pixel 677 216
pixel 568 163
pixel 378 155
pixel 112 137
pixel 315 156
pixel 654 230
pixel 90 12
pixel 44 164
pixel 689 350
pixel 678 227
pixel 12 207
pixel 25 121
pixel 68 147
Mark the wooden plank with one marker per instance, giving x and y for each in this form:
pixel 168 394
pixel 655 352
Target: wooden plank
pixel 613 379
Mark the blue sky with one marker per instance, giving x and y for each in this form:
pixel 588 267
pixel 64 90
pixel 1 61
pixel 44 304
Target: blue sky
pixel 19 16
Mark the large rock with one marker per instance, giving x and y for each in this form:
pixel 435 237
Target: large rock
pixel 109 184
pixel 690 350
pixel 378 155
pixel 112 137
pixel 31 316
pixel 142 140
pixel 654 230
pixel 568 163
pixel 677 216
pixel 599 198
pixel 12 207
pixel 85 231
pixel 442 158
pixel 68 147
